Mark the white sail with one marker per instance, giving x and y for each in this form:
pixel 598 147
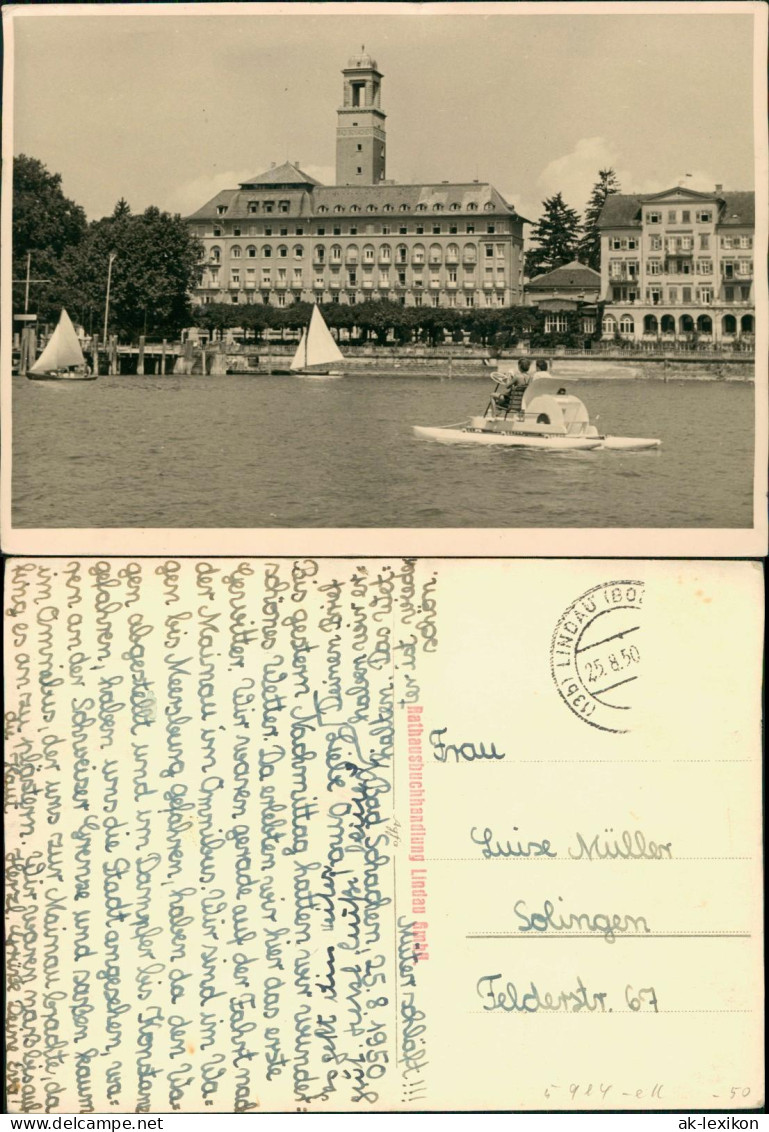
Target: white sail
pixel 317 347
pixel 63 348
pixel 298 362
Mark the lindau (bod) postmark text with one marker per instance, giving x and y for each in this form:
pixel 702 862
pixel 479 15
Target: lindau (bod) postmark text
pixel 595 655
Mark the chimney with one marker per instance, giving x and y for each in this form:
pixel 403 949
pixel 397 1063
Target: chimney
pixel 719 188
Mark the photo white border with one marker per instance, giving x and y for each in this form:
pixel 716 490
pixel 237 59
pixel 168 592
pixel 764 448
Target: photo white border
pixel 347 541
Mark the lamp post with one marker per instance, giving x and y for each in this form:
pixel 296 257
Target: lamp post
pixel 112 258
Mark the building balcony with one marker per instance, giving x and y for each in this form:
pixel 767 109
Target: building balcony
pixel 281 285
pixel 434 262
pixel 469 284
pixel 435 284
pixel 385 257
pixel 488 284
pixel 318 284
pixel 335 284
pixel 297 284
pixel 451 285
pixel 679 253
pixel 351 261
pixel 319 260
pixel 367 285
pixel 469 261
pixel 500 285
pixel 452 259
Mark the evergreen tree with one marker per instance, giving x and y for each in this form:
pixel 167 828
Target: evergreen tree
pixel 557 234
pixel 590 244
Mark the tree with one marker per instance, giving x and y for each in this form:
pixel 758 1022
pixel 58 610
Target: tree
pixel 590 244
pixel 557 235
pixel 156 263
pixel 45 224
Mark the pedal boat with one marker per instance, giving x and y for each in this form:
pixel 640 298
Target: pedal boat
pixel 557 422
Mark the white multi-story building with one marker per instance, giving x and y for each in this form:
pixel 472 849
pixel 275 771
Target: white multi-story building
pixel 678 265
pixel 282 237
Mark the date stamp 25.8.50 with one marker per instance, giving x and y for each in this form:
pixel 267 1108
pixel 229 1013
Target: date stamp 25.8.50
pixel 595 655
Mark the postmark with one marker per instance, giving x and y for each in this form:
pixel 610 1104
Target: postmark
pixel 595 655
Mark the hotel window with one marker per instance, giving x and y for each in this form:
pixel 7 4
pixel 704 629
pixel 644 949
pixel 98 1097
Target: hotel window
pixel 654 295
pixel 235 251
pixel 298 251
pixel 500 251
pixel 626 325
pixel 297 275
pixel 299 231
pixel 671 216
pixel 436 300
pixel 686 243
pixel 421 208
pixel 488 251
pixel 417 300
pixel 588 325
pixel 726 241
pixel 746 267
pixel 729 294
pixel 283 231
pixel 469 300
pixel 384 278
pixel 236 231
pixel 385 229
pixel 221 209
pixel 269 206
pixel 706 295
pixel 472 207
pixel 387 208
pixel 368 253
pixel 686 217
pixel 401 254
pixel 686 294
pixel 673 295
pixel 435 253
pixel 746 241
pixel 283 251
pixel 266 251
pixel 632 242
pixel 322 208
pixel 235 300
pixel 452 275
pixel 251 251
pixel 253 206
pixel 371 208
pixel 401 278
pixel 744 294
pixel 217 231
pixel 436 229
pixel 268 231
pixel 353 229
pixel 655 243
pixel 336 253
pixel 437 208
pixel 704 266
pixel 281 275
pixel 704 217
pixel 609 325
pixel 284 205
pixel 404 208
pixel 354 208
pixel 490 229
pixel 453 229
pixel 351 278
pixel 215 255
pixel 281 300
pixel 420 229
pixel 234 278
pixel 470 229
pixel 653 217
pixel 384 253
pixel 265 276
pixel 654 266
pixel 454 207
pixel 704 242
pixel 556 324
pixel 403 230
pixel 250 275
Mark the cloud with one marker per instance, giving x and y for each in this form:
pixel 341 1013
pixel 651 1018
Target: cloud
pixel 575 173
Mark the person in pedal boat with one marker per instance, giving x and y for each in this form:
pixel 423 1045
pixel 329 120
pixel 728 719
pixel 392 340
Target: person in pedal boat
pixel 512 386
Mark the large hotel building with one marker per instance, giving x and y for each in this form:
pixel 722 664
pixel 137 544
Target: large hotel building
pixel 282 237
pixel 678 264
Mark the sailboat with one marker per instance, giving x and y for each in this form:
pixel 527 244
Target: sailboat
pixel 62 359
pixel 317 350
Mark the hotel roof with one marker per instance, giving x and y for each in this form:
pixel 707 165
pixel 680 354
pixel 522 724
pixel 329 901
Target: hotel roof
pixel 623 210
pixel 307 197
pixel 574 274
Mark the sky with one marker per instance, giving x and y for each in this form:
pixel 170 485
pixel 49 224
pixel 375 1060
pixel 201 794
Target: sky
pixel 167 108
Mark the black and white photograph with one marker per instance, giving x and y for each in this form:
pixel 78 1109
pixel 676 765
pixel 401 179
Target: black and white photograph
pixel 277 272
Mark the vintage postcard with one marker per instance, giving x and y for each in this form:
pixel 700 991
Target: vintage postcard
pixel 370 278
pixel 383 835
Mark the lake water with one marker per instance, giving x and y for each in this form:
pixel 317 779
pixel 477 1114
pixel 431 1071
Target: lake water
pixel 255 451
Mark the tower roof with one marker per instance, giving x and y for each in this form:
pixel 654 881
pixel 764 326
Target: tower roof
pixel 362 62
